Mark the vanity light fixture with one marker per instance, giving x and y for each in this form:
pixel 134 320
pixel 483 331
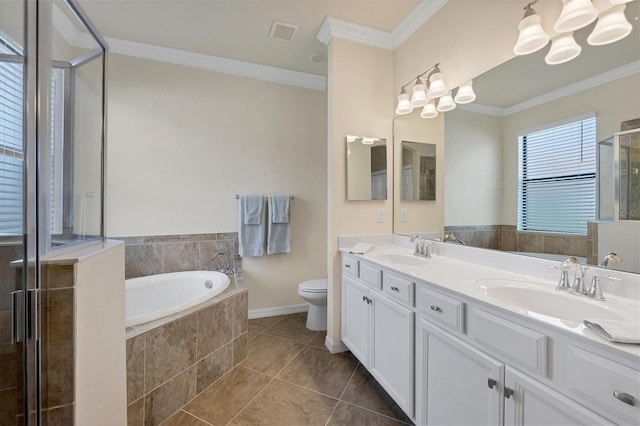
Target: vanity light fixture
pixel 446 103
pixel 437 86
pixel 563 49
pixel 351 138
pixel 575 14
pixel 612 26
pixel 368 141
pixel 429 110
pixel 465 93
pixel 532 36
pixel 419 97
pixel 404 107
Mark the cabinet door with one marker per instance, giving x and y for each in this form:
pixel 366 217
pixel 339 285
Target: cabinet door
pixel 391 360
pixel 355 318
pixel 533 403
pixel 455 381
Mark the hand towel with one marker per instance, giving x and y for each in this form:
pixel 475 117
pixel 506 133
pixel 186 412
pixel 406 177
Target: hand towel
pixel 615 331
pixel 279 208
pixel 279 231
pixel 251 235
pixel 253 208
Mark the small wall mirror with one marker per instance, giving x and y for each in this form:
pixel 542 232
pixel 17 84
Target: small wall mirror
pixel 418 180
pixel 366 168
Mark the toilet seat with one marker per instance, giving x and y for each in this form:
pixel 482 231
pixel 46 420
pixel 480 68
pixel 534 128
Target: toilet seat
pixel 313 286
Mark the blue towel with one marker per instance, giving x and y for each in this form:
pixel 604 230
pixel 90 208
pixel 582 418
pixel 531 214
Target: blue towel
pixel 279 233
pixel 251 236
pixel 253 207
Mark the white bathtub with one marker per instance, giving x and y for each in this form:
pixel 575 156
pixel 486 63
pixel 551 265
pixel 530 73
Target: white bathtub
pixel 156 296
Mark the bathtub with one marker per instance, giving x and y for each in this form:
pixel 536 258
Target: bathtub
pixel 156 296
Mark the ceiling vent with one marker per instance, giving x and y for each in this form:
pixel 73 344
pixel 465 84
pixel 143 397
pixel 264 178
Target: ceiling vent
pixel 283 31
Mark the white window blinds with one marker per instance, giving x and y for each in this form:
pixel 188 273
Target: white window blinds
pixel 11 146
pixel 557 178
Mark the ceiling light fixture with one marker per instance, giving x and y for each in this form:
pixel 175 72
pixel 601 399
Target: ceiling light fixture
pixel 575 14
pixel 563 49
pixel 427 89
pixel 532 36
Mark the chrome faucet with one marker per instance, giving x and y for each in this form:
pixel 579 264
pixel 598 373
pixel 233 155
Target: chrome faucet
pixel 450 238
pixel 573 264
pixel 595 289
pixel 226 269
pixel 609 259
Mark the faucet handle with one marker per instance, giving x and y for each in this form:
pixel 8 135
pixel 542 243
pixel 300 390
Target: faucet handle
pixel 595 289
pixel 563 282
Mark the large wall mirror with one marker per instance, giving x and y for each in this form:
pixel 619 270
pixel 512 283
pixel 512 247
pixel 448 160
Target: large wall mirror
pixel 418 180
pixel 480 146
pixel 366 168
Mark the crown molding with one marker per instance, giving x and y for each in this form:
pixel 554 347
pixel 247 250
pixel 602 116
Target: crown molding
pixel 579 86
pixel 416 19
pixel 217 64
pixel 333 27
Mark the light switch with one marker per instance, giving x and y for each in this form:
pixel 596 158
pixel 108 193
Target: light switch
pixel 404 216
pixel 380 215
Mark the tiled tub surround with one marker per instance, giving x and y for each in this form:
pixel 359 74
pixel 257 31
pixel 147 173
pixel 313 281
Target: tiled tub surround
pixel 508 238
pixel 151 255
pixel 172 359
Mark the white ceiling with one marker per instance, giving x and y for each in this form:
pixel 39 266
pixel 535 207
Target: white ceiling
pixel 239 29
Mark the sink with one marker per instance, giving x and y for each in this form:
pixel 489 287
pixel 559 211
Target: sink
pixel 540 299
pixel 400 259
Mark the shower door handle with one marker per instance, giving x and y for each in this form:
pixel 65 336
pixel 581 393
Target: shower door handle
pixel 33 331
pixel 17 317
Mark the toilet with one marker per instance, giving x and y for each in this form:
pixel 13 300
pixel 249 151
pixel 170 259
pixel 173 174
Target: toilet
pixel 315 292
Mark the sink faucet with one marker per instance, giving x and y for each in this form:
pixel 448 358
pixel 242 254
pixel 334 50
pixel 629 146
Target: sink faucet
pixel 595 289
pixel 450 238
pixel 609 259
pixel 573 264
pixel 226 269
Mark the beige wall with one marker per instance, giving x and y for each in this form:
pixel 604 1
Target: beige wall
pixel 182 142
pixel 360 102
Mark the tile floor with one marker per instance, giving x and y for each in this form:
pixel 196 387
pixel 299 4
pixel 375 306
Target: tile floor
pixel 290 378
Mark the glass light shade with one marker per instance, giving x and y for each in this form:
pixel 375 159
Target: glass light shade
pixel 437 86
pixel 446 103
pixel 563 49
pixel 429 110
pixel 532 37
pixel 419 97
pixel 404 107
pixel 575 14
pixel 612 26
pixel 465 93
pixel 368 141
pixel 620 1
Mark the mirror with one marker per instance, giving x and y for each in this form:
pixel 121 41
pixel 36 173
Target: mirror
pixel 481 142
pixel 418 180
pixel 366 168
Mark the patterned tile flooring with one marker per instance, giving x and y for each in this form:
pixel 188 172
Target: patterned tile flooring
pixel 290 378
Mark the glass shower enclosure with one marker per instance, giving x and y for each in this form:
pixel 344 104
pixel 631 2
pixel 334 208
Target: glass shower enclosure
pixel 52 128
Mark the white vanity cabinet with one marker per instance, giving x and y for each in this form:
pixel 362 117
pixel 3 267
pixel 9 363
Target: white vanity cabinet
pixel 378 330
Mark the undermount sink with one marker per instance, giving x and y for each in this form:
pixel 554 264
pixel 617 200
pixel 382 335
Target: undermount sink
pixel 542 299
pixel 400 259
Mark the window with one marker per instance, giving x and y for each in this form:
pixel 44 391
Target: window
pixel 11 144
pixel 557 178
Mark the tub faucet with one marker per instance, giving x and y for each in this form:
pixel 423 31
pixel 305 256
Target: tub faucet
pixel 226 269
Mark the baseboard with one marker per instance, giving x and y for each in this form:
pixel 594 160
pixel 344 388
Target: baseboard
pixel 280 310
pixel 335 347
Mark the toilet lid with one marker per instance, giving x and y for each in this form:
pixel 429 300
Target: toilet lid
pixel 314 286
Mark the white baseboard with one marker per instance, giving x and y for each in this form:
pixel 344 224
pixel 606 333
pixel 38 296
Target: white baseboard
pixel 335 347
pixel 280 310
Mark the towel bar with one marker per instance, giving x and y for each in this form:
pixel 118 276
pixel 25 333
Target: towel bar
pixel 291 197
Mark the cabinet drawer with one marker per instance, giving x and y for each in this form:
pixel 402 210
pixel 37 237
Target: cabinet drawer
pixel 512 343
pixel 441 309
pixel 371 275
pixel 595 381
pixel 350 266
pixel 398 288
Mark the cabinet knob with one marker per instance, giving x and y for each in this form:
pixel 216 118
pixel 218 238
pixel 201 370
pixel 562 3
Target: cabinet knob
pixel 435 308
pixel 395 289
pixel 491 383
pixel 347 266
pixel 625 397
pixel 508 392
pixel 364 298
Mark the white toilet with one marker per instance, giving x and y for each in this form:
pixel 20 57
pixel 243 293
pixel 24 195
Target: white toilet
pixel 315 292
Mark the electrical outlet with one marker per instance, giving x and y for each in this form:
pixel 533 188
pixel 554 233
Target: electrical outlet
pixel 404 216
pixel 380 215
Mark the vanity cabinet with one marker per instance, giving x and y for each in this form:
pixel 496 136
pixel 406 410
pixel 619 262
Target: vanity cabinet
pixel 378 330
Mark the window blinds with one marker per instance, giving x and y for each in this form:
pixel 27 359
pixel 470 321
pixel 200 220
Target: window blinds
pixel 557 178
